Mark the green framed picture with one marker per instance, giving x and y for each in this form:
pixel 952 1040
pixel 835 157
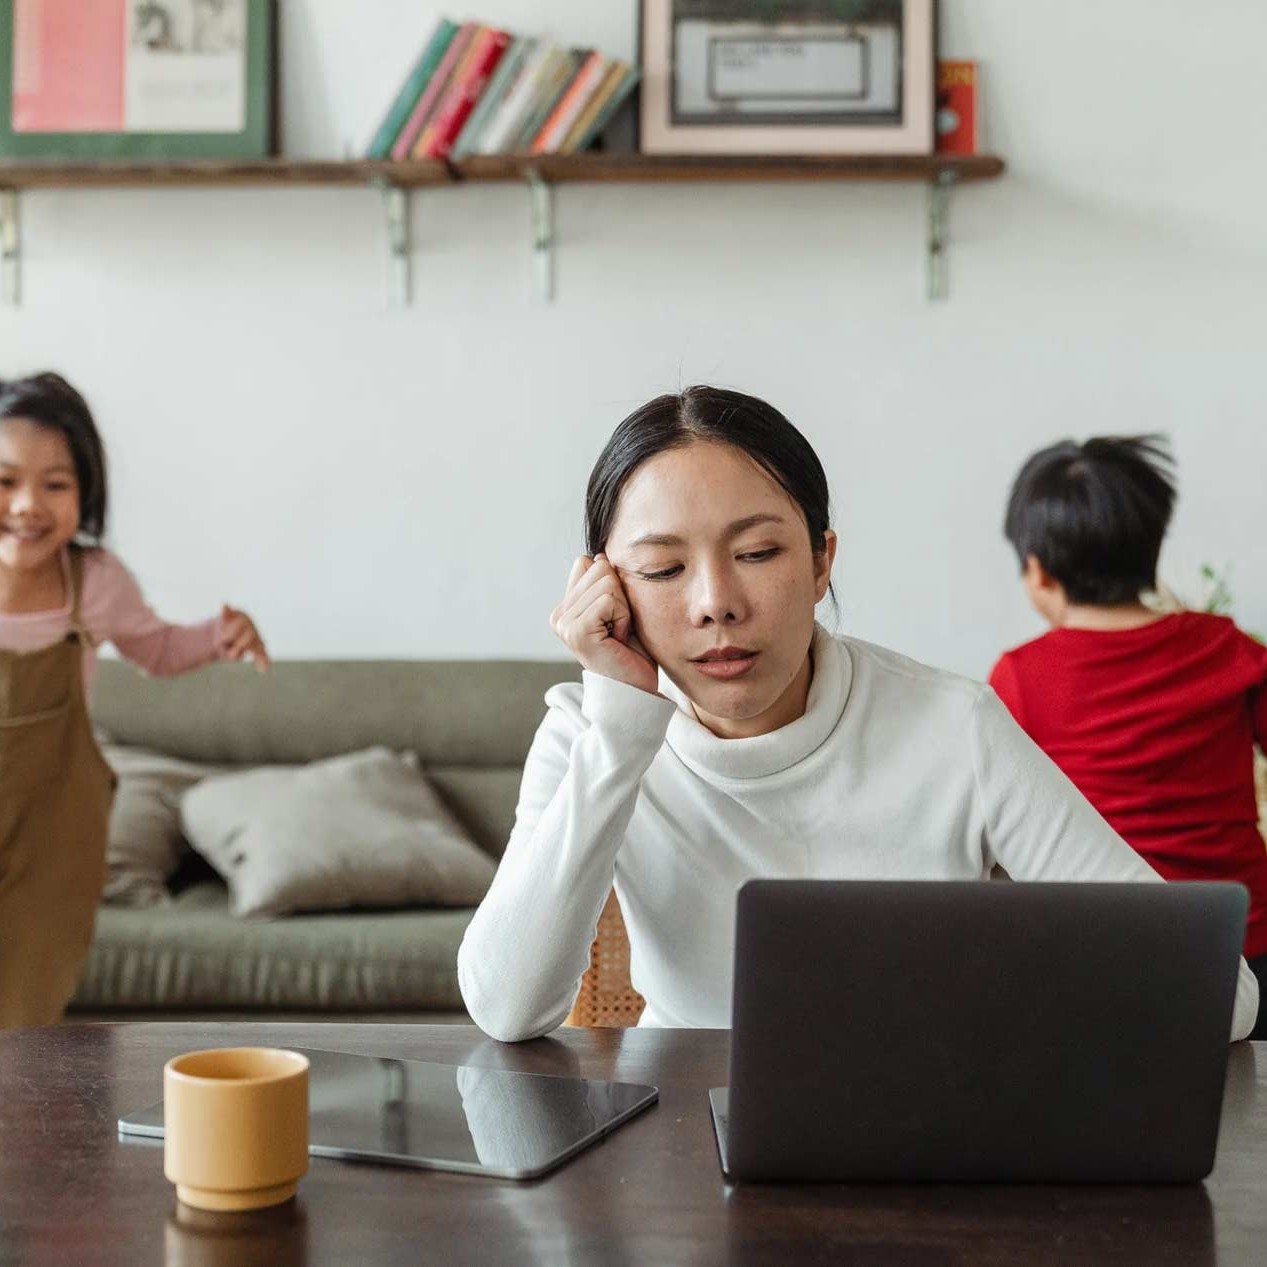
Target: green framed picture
pixel 134 79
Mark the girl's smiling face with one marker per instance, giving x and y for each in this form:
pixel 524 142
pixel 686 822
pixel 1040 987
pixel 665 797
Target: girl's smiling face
pixel 39 495
pixel 716 561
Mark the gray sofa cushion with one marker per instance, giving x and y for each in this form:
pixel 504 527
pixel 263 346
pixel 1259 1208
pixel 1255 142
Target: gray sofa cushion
pixel 483 801
pixel 193 954
pixel 145 843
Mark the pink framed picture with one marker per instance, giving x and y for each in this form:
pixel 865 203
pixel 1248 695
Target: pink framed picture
pixel 130 78
pixel 819 77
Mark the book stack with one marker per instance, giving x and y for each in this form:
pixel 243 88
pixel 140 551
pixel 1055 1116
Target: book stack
pixel 479 90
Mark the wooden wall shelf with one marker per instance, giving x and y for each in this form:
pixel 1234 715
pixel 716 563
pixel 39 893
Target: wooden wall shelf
pixel 212 172
pixel 556 168
pixel 646 169
pixel 540 173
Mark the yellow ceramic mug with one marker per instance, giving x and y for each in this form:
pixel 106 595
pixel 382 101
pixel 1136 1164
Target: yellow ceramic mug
pixel 235 1126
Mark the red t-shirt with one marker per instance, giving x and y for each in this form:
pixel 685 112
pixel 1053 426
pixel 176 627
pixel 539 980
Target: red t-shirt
pixel 1156 728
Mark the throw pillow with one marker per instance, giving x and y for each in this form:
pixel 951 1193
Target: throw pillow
pixel 364 829
pixel 145 844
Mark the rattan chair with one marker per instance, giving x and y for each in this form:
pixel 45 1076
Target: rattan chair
pixel 607 999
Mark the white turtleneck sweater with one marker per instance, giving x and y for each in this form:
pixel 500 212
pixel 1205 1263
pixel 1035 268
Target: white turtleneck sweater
pixel 895 771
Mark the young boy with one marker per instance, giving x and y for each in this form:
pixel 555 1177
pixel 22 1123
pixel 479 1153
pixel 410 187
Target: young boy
pixel 1153 717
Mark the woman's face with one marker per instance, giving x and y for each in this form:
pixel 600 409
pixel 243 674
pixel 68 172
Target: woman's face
pixel 715 559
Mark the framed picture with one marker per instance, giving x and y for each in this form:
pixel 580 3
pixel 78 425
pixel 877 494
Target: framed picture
pixel 780 77
pixel 85 79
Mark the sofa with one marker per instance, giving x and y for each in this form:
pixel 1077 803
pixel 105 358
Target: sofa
pixel 469 722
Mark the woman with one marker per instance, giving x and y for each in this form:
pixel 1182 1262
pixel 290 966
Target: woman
pixel 720 734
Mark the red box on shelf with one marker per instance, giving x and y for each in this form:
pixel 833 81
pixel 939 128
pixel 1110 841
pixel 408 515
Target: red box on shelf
pixel 958 107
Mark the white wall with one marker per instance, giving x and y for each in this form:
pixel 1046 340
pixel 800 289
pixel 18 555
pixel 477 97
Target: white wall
pixel 375 483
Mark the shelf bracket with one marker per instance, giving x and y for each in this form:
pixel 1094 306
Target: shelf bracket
pixel 399 249
pixel 10 248
pixel 938 215
pixel 541 196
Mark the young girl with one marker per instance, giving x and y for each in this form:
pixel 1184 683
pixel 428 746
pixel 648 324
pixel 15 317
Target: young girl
pixel 1153 717
pixel 61 594
pixel 720 734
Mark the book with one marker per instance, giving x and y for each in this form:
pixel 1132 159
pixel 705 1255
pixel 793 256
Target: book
pixel 503 81
pixel 584 85
pixel 607 112
pixel 438 135
pixel 611 81
pixel 555 85
pixel 457 76
pixel 404 142
pixel 415 82
pixel 958 107
pixel 508 119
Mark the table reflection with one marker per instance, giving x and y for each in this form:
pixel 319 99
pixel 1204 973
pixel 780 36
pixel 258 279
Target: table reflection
pixel 952 1223
pixel 276 1237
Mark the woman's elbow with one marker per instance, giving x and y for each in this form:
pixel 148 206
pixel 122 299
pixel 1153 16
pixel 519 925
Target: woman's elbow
pixel 500 1014
pixel 509 1028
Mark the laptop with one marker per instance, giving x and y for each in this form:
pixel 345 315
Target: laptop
pixel 959 1032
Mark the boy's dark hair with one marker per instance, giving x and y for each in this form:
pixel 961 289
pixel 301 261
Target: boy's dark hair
pixel 708 413
pixel 49 400
pixel 1094 515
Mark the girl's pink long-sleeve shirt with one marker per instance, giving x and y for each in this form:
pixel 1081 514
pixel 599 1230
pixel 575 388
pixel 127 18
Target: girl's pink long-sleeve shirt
pixel 113 609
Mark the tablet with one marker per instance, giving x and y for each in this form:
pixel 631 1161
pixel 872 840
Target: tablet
pixel 447 1117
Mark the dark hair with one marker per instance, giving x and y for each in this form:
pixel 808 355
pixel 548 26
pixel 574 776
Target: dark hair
pixel 49 400
pixel 708 413
pixel 1094 514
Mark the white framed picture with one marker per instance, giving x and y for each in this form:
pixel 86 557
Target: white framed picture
pixel 760 77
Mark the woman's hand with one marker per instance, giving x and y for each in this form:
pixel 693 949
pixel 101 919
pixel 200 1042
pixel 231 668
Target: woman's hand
pixel 238 638
pixel 595 622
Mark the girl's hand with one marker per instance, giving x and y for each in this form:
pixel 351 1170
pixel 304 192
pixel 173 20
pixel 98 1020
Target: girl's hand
pixel 595 622
pixel 238 638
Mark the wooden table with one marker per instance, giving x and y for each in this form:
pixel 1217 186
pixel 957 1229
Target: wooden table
pixel 72 1194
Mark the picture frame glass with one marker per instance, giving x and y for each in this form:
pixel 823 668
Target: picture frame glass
pixel 820 63
pixel 133 78
pixel 181 68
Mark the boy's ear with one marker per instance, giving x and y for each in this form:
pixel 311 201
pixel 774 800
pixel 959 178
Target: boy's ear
pixel 1037 578
pixel 1046 594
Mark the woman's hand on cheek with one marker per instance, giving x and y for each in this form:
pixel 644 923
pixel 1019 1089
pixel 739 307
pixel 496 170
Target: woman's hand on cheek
pixel 595 622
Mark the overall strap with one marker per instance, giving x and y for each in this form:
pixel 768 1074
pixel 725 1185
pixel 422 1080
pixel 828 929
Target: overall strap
pixel 77 626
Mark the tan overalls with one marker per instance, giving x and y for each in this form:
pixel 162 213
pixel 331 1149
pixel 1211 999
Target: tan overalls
pixel 55 794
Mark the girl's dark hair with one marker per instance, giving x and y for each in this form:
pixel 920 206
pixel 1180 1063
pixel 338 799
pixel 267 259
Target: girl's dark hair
pixel 708 413
pixel 49 400
pixel 1094 514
